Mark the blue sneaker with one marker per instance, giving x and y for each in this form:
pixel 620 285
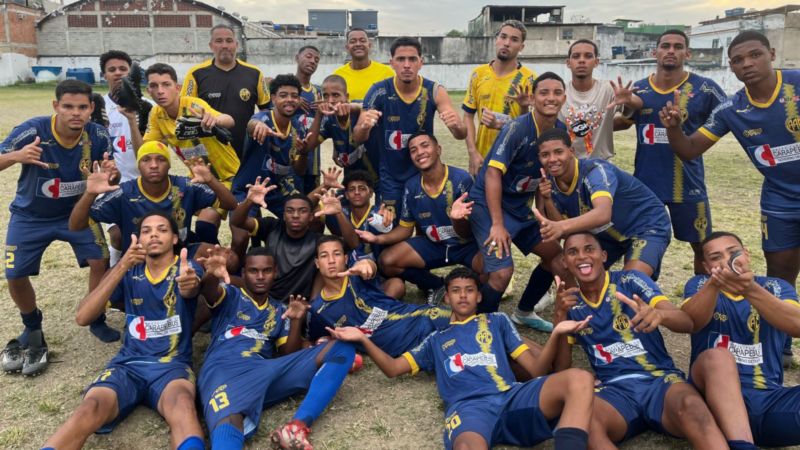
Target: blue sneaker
pixel 532 320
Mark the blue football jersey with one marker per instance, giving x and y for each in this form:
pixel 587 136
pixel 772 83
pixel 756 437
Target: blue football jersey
pixel 470 358
pixel 432 213
pixel 127 205
pixel 400 119
pixel 636 211
pixel 158 323
pixel 365 249
pixel 736 325
pixel 614 350
pixel 345 151
pixel 393 326
pixel 306 120
pixel 240 328
pixel 668 176
pixel 516 155
pixel 770 135
pixel 51 193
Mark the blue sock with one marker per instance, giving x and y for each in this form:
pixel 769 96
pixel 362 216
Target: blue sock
pixel 741 445
pixel 570 439
pixel 787 346
pixel 32 321
pixel 423 278
pixel 490 299
pixel 47 448
pixel 205 232
pixel 538 284
pixel 227 437
pixel 335 365
pixel 192 443
pixel 103 332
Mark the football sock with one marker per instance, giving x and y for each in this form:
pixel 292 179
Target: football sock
pixel 741 445
pixel 570 439
pixel 330 376
pixel 490 299
pixel 192 443
pixel 538 285
pixel 227 437
pixel 32 322
pixel 102 331
pixel 206 232
pixel 423 278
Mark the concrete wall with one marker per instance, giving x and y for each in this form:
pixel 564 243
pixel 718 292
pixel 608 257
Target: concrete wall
pixel 15 67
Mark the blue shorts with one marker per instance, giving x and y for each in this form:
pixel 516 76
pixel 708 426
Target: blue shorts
pixel 441 255
pixel 779 233
pixel 691 222
pixel 774 415
pixel 247 386
pixel 138 382
pixel 511 417
pixel 525 235
pixel 390 193
pixel 276 198
pixel 647 248
pixel 27 239
pixel 640 401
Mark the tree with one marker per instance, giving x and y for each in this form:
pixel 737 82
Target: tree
pixel 454 33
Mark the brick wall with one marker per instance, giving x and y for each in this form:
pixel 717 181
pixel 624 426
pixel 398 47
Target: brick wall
pixel 18 30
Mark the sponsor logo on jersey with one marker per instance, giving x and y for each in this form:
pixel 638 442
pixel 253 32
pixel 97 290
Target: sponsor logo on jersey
pixel 652 135
pixel 606 354
pixel 460 361
pixel 439 234
pixel 55 188
pixel 526 184
pixel 752 132
pixel 143 330
pixel 772 156
pixel 375 319
pixel 246 332
pixel 120 144
pixel 397 140
pixel 748 355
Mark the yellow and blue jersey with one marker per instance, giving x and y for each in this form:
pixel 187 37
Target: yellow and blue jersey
pixel 51 193
pixel 736 325
pixel 364 249
pixel 402 117
pixel 668 176
pixel 770 135
pixel 127 205
pixel 431 213
pixel 345 151
pixel 470 358
pixel 158 323
pixel 487 90
pixel 240 328
pixel 614 349
pixel 393 326
pixel 516 155
pixel 636 211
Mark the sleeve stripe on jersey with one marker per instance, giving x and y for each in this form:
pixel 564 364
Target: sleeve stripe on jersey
pixel 255 228
pixel 498 165
pixel 219 300
pixel 656 300
pixel 281 341
pixel 708 134
pixel 599 194
pixel 685 301
pixel 468 109
pixel 520 350
pixel 412 362
pixel 571 340
pixel 791 302
pixel 403 223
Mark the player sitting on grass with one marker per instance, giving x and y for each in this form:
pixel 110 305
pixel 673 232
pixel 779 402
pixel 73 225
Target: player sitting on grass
pixel 244 371
pixel 750 317
pixel 640 386
pixel 153 366
pixel 484 405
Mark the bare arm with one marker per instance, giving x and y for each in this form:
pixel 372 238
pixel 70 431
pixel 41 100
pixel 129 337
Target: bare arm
pixel 240 217
pixel 79 217
pixel 391 367
pixel 686 147
pixel 449 115
pixel 702 305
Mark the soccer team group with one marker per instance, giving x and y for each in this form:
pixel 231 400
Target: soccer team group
pixel 289 308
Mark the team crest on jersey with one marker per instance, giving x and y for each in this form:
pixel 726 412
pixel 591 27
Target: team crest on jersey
pixel 700 224
pixel 244 94
pixel 397 140
pixel 793 124
pixel 143 330
pixel 457 363
pixel 621 322
pixel 606 354
pixel 748 355
pixel 484 337
pixel 54 188
pixel 754 321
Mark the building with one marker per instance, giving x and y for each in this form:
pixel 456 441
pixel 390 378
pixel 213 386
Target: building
pixel 641 38
pixel 17 26
pixel 328 22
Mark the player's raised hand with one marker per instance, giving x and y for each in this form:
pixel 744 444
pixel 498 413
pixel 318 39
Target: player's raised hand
pixel 475 163
pixel 31 154
pixel 257 192
pixel 207 120
pixel 98 181
pixel 734 277
pixel 671 114
pixel 215 262
pixel 545 185
pixel 297 308
pixel 347 334
pixel 330 204
pixel 489 119
pixel 566 298
pixel 109 166
pixel 383 220
pixel 551 230
pixel 364 268
pixel 369 118
pixel 325 107
pixel 623 94
pixel 571 326
pixel 450 118
pixel 187 278
pixel 330 178
pixel 366 236
pixel 262 131
pixel 523 95
pixel 461 209
pixel 646 319
pixel 201 172
pixel 134 255
pixel 499 241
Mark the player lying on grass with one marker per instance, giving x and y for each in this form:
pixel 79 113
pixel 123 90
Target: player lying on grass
pixel 153 367
pixel 484 405
pixel 245 370
pixel 746 318
pixel 641 389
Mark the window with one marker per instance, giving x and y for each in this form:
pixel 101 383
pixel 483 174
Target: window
pixel 566 33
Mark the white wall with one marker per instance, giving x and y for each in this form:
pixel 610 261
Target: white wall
pixel 15 67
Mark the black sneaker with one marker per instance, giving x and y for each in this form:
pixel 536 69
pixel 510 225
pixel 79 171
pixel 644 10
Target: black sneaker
pixel 35 355
pixel 13 356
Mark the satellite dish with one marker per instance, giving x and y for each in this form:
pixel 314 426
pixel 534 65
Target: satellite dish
pixel 245 18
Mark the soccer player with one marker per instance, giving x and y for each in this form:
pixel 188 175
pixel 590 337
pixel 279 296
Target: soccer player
pixel 153 366
pixel 750 317
pixel 307 59
pixel 483 403
pixel 427 197
pixel 763 118
pixel 361 72
pixel 503 194
pixel 398 107
pixel 52 151
pixel 228 84
pixel 679 183
pixel 245 370
pixel 640 387
pixel 592 195
pixel 490 92
pixel 170 123
pixel 591 104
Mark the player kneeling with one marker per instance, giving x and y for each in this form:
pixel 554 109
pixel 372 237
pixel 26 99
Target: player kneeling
pixel 484 405
pixel 154 364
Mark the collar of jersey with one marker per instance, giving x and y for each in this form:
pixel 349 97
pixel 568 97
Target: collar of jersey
pixel 732 297
pixel 338 295
pixel 160 278
pixel 275 124
pixel 399 94
pixel 602 294
pixel 235 64
pixel 357 223
pixel 310 88
pixel 64 144
pixel 462 322
pixel 574 182
pixel 669 90
pixel 772 98
pixel 154 199
pixel 441 186
pixel 509 74
pixel 255 303
pixel 535 125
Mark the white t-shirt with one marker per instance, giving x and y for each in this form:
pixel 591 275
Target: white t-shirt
pixel 590 124
pixel 120 131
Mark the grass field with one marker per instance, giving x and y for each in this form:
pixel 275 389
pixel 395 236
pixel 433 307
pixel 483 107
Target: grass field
pixel 371 411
